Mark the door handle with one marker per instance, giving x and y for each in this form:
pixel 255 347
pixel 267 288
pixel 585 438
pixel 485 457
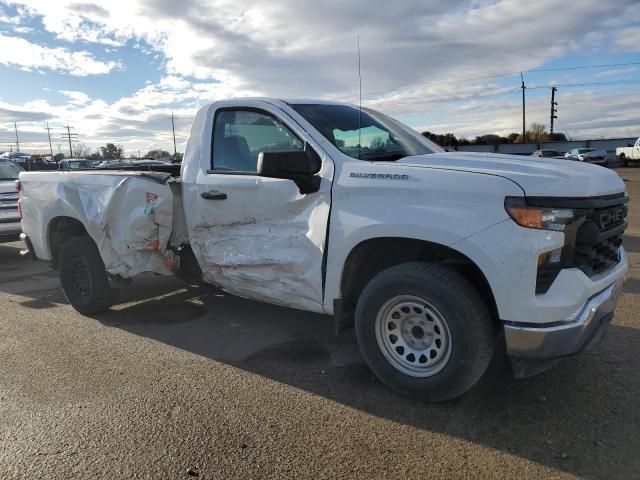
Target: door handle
pixel 213 195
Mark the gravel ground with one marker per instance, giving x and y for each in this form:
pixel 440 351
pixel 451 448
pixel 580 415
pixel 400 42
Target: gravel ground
pixel 179 382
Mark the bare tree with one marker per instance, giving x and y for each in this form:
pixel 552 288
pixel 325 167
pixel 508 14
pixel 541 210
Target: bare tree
pixel 537 132
pixel 81 150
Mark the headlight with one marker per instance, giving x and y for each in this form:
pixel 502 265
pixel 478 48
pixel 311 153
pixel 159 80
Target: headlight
pixel 544 218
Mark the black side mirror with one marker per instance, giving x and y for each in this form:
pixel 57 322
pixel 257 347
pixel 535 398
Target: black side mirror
pixel 299 166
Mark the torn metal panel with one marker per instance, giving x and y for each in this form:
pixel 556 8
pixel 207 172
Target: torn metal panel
pixel 127 215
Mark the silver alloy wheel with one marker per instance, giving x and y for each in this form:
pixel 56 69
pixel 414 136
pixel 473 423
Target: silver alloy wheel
pixel 413 336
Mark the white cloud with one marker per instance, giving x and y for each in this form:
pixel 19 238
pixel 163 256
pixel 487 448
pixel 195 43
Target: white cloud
pixel 412 52
pixel 22 53
pixel 629 38
pixel 291 48
pixel 75 97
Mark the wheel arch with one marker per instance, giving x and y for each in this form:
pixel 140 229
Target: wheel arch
pixel 61 229
pixel 371 256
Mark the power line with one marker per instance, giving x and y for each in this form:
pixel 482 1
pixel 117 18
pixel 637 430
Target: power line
pixel 509 74
pixel 579 67
pixel 588 84
pixel 491 93
pixel 501 91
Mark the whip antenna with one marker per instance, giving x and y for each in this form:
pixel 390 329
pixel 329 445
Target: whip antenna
pixel 359 103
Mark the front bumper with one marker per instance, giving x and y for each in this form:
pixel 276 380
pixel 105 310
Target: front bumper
pixel 534 348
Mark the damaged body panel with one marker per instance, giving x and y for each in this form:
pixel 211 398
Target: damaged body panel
pixel 254 247
pixel 265 239
pixel 128 215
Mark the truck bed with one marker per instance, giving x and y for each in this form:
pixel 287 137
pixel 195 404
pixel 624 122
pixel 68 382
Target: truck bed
pixel 129 213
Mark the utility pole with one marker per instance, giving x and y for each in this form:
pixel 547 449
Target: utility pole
pixel 554 110
pixel 49 135
pixel 15 125
pixel 524 124
pixel 69 137
pixel 173 129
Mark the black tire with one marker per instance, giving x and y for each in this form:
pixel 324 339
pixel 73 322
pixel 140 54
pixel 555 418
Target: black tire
pixel 624 161
pixel 467 316
pixel 83 276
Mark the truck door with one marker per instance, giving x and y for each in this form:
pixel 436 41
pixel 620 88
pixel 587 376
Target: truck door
pixel 258 237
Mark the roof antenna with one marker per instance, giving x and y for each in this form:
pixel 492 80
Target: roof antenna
pixel 360 104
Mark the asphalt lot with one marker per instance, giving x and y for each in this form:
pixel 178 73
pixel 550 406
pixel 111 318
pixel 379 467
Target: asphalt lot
pixel 175 378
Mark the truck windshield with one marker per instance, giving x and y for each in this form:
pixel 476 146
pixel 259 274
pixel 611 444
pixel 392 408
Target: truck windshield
pixel 369 135
pixel 9 171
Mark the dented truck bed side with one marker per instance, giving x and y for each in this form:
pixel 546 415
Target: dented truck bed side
pixel 128 214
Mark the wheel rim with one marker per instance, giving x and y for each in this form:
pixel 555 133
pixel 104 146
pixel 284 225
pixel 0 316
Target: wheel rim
pixel 413 336
pixel 80 278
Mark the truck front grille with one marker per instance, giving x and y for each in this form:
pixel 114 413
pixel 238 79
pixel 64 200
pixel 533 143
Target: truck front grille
pixel 594 244
pixel 596 258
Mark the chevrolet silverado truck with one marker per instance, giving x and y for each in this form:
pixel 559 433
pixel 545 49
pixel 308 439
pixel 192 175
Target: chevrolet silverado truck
pixel 439 258
pixel 629 154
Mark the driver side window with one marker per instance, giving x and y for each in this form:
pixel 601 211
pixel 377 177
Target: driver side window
pixel 240 135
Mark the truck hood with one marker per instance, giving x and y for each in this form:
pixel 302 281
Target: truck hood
pixel 537 176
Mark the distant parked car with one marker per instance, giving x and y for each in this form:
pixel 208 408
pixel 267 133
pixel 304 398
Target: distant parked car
pixel 590 155
pixel 28 162
pixel 75 164
pixel 629 154
pixel 130 164
pixel 547 153
pixel 10 227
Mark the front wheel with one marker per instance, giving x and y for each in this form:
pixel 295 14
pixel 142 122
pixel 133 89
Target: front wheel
pixel 424 331
pixel 83 276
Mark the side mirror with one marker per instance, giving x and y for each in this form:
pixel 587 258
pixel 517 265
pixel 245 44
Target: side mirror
pixel 299 166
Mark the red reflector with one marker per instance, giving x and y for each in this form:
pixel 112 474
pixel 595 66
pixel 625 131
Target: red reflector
pixel 19 209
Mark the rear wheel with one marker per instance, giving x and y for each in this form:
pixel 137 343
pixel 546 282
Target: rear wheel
pixel 83 276
pixel 424 331
pixel 623 160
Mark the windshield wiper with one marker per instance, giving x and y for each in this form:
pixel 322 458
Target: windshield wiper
pixel 387 158
pixel 7 178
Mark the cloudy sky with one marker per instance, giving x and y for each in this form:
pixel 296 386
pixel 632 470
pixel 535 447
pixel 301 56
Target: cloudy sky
pixel 116 70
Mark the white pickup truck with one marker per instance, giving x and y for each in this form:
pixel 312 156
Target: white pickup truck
pixel 439 258
pixel 629 154
pixel 9 217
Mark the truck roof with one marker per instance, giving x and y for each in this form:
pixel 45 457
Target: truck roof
pixel 290 101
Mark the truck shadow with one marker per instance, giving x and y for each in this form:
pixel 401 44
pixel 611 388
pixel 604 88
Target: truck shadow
pixel 580 417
